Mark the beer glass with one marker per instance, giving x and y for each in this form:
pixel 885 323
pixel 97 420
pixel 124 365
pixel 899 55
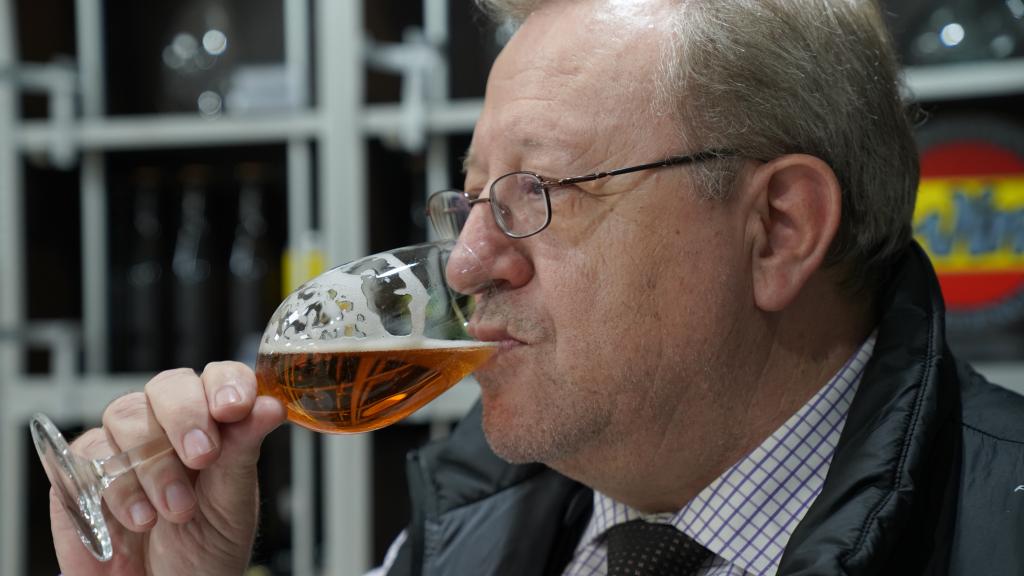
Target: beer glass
pixel 357 348
pixel 366 344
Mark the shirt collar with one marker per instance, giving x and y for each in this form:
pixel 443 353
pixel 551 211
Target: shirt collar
pixel 747 515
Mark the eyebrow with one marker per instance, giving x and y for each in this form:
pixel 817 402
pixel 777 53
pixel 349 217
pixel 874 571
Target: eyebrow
pixel 469 160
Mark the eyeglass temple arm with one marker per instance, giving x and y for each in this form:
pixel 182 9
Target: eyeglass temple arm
pixel 672 161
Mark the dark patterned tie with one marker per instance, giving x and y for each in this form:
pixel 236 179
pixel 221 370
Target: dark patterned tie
pixel 638 548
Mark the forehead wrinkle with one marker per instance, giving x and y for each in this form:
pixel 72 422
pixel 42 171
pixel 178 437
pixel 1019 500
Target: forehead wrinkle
pixel 552 133
pixel 534 107
pixel 553 156
pixel 553 128
pixel 529 151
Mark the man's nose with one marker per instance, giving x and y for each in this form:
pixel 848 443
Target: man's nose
pixel 484 258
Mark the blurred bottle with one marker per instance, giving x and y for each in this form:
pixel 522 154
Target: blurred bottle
pixel 198 60
pixel 145 276
pixel 197 319
pixel 253 281
pixel 965 30
pixel 201 56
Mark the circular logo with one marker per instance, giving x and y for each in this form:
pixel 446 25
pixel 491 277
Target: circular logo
pixel 969 217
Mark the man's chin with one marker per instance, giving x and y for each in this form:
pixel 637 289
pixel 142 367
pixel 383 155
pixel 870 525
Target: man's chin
pixel 507 431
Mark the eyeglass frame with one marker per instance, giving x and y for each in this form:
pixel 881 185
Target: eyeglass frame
pixel 547 184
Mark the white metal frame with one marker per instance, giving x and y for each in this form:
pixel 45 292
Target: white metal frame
pixel 966 80
pixel 339 125
pixel 93 187
pixel 11 305
pixel 342 196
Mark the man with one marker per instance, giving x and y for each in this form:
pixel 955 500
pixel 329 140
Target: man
pixel 726 359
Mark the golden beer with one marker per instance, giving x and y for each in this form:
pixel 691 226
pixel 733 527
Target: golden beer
pixel 344 391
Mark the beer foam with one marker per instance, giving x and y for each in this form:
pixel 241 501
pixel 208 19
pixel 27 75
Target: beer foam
pixel 339 304
pixel 368 345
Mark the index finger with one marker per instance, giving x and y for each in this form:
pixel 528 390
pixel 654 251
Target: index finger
pixel 230 390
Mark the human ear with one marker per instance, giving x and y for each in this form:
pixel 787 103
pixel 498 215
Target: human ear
pixel 799 204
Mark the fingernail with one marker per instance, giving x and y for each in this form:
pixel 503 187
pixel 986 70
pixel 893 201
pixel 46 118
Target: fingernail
pixel 227 396
pixel 197 443
pixel 142 513
pixel 179 498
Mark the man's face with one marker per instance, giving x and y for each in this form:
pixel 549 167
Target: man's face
pixel 612 319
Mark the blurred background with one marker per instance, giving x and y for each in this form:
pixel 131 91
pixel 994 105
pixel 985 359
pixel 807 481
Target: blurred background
pixel 170 169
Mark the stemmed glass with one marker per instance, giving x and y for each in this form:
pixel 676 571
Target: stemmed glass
pixel 357 348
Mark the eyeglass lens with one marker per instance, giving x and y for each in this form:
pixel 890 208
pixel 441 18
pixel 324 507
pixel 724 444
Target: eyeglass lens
pixel 520 203
pixel 448 212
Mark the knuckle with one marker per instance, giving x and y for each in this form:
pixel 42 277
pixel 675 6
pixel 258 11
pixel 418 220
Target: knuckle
pixel 164 378
pixel 226 369
pixel 240 367
pixel 229 372
pixel 220 365
pixel 130 406
pixel 91 441
pixel 172 373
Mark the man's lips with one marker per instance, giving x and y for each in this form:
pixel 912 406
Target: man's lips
pixel 493 333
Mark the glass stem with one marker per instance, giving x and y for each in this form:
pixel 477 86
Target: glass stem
pixel 114 467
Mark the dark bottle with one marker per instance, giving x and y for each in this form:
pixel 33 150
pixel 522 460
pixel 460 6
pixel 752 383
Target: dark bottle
pixel 253 284
pixel 197 318
pixel 145 277
pixel 943 31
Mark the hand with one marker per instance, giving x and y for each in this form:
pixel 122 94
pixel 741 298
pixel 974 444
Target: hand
pixel 194 511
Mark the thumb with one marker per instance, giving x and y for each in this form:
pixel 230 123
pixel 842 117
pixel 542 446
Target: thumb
pixel 241 441
pixel 229 483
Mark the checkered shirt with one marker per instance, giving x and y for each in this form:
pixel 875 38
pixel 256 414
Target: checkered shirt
pixel 746 516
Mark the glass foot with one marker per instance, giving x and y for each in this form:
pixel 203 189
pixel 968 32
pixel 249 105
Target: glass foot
pixel 76 484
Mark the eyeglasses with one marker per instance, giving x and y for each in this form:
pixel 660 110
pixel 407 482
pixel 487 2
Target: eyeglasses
pixel 521 201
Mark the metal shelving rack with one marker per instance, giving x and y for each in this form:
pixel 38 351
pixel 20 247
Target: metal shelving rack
pixel 339 126
pixel 957 81
pixel 966 80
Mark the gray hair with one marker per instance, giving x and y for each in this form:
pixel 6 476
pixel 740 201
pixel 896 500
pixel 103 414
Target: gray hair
pixel 773 77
